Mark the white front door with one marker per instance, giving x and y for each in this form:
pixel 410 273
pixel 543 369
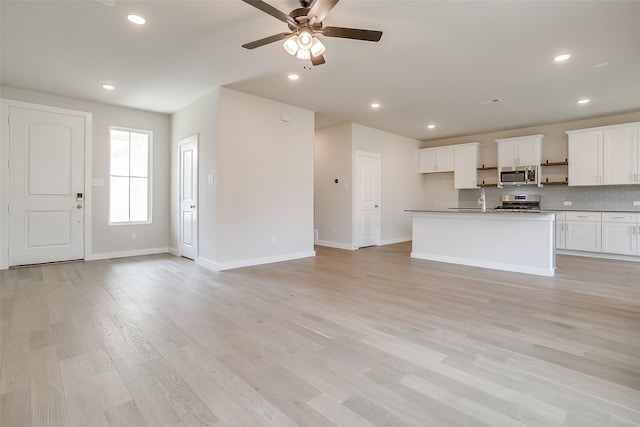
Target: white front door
pixel 367 194
pixel 46 201
pixel 189 197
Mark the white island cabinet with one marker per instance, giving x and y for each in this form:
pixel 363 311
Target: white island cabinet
pixel 511 241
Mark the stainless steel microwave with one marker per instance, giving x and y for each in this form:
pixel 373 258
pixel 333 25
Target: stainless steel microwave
pixel 518 175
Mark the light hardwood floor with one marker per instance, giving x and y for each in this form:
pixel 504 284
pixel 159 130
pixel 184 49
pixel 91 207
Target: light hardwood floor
pixel 361 338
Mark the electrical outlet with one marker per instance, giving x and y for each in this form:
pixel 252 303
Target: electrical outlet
pixel 567 203
pixel 636 203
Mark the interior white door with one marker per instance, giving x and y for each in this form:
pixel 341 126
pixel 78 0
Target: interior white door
pixel 189 197
pixel 367 189
pixel 46 176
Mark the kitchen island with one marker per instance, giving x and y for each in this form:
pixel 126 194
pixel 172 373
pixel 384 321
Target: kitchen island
pixel 523 242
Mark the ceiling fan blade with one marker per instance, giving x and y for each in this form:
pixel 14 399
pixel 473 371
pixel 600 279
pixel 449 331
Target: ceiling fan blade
pixel 352 33
pixel 321 9
pixel 266 40
pixel 268 9
pixel 317 60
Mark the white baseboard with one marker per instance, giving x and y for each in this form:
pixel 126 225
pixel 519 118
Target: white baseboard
pixel 220 266
pixel 173 251
pixel 538 271
pixel 123 254
pixel 394 241
pixel 598 255
pixel 335 245
pixel 349 247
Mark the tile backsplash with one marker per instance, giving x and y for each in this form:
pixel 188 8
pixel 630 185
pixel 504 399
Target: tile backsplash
pixel 605 198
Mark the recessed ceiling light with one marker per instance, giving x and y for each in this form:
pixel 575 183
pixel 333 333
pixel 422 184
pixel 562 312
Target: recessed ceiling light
pixel 107 86
pixel 584 101
pixel 431 126
pixel 136 19
pixel 293 77
pixel 562 57
pixel 375 105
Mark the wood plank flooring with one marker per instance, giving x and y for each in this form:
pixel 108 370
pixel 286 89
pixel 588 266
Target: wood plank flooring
pixel 364 338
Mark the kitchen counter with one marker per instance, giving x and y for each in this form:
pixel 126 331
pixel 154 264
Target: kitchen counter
pixel 476 211
pixel 511 241
pixel 591 210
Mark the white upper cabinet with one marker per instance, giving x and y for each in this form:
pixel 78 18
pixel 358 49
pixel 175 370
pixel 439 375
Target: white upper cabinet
pixel 437 159
pixel 520 151
pixel 585 158
pixel 621 155
pixel 465 174
pixel 608 155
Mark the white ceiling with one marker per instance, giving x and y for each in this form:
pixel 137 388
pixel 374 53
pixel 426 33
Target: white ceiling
pixel 435 61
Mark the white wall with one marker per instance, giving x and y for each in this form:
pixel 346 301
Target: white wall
pixel 265 180
pixel 402 186
pixel 333 202
pixel 108 240
pixel 201 118
pixel 260 206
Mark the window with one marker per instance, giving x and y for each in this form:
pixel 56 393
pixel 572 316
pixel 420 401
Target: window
pixel 129 178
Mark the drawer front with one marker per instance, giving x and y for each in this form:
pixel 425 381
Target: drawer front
pixel 584 216
pixel 619 217
pixel 561 216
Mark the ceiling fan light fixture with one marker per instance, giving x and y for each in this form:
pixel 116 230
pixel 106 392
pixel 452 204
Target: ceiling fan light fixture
pixel 303 54
pixel 317 48
pixel 305 39
pixel 291 45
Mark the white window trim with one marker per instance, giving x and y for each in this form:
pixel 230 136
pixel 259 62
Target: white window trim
pixel 150 178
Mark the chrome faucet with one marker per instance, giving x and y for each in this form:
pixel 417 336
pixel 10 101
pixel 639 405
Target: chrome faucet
pixel 482 201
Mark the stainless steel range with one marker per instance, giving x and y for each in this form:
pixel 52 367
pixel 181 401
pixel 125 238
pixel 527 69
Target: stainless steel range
pixel 520 203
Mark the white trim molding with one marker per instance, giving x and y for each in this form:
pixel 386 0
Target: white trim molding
pixel 124 254
pixel 221 266
pixel 336 245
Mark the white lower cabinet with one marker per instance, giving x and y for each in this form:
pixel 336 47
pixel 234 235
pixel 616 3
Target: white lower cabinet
pixel 605 232
pixel 620 233
pixel 584 231
pixel 561 226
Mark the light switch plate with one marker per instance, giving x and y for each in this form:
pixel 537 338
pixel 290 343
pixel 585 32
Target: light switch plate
pixel 567 203
pixel 636 203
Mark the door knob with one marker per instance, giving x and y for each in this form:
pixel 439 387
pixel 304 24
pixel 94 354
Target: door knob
pixel 375 206
pixel 78 206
